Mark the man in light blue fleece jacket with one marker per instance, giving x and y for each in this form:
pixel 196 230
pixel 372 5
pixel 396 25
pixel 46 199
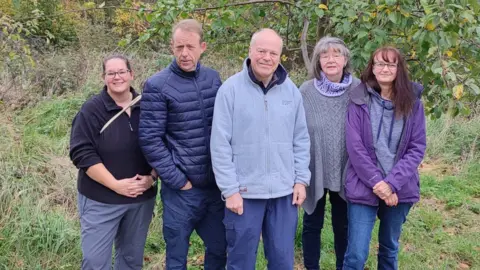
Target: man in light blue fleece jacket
pixel 260 153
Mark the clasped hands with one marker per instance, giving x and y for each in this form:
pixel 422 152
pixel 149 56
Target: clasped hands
pixel 134 186
pixel 384 192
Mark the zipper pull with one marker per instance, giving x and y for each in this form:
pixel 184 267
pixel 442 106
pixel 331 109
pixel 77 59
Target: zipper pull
pixel 266 104
pixel 130 125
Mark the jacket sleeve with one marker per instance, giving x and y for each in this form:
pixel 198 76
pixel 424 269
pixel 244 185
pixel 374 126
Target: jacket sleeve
pixel 83 152
pixel 301 143
pixel 220 143
pixel 364 167
pixel 152 132
pixel 404 169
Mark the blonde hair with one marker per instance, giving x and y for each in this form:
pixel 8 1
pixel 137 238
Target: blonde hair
pixel 189 25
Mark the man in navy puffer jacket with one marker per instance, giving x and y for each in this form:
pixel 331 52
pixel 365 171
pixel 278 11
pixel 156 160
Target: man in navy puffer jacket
pixel 174 133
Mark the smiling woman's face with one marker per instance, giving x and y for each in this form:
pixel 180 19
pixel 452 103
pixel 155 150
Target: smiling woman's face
pixel 117 76
pixel 385 68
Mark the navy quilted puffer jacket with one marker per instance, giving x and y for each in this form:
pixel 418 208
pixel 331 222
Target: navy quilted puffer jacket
pixel 176 122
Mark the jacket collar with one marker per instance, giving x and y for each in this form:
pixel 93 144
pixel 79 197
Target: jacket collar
pixel 180 72
pixel 279 76
pixel 110 104
pixel 360 95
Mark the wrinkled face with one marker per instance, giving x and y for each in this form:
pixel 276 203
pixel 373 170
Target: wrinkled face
pixel 264 55
pixel 117 76
pixel 332 63
pixel 187 49
pixel 385 68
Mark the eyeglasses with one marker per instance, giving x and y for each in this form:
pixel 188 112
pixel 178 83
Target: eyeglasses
pixel 121 73
pixel 381 65
pixel 335 57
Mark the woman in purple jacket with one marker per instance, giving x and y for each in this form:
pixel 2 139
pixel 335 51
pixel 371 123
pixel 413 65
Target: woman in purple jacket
pixel 386 141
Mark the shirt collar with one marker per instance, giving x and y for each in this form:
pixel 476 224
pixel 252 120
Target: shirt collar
pixel 110 104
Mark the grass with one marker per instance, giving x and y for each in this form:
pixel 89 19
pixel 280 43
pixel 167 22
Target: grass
pixel 39 227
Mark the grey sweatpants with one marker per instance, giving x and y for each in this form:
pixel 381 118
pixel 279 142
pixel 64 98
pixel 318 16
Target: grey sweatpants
pixel 103 224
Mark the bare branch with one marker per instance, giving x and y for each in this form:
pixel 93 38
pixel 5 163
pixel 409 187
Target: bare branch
pixel 303 42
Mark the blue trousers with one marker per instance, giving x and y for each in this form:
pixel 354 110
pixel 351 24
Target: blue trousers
pixel 361 219
pixel 196 209
pixel 103 224
pixel 312 231
pixel 276 219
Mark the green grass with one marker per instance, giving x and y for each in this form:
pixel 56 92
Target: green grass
pixel 39 227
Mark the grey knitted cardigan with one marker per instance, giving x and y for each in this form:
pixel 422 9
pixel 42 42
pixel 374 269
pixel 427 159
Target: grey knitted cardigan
pixel 328 154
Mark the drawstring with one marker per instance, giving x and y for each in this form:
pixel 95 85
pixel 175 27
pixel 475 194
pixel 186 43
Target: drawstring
pixel 381 120
pixel 391 129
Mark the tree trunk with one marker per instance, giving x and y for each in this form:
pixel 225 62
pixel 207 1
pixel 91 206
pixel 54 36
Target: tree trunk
pixel 303 43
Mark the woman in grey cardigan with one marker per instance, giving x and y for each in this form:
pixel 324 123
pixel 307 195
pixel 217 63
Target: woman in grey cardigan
pixel 325 98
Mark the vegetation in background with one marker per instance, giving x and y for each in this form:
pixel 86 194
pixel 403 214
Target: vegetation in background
pixel 50 63
pixel 441 39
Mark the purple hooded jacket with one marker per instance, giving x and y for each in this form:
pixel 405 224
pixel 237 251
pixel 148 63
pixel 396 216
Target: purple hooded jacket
pixel 362 170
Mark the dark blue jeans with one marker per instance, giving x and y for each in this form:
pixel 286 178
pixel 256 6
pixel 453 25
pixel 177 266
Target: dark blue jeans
pixel 361 219
pixel 196 209
pixel 312 231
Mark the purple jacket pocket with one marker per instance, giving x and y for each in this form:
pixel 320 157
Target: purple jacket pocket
pixel 410 191
pixel 356 191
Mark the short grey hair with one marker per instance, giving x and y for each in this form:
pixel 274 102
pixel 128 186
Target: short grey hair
pixel 322 46
pixel 255 35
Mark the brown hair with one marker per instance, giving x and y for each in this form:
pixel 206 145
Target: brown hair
pixel 403 97
pixel 116 56
pixel 189 25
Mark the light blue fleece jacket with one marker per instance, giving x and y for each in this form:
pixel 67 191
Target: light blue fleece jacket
pixel 260 144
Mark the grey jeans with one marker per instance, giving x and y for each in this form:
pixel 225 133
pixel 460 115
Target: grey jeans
pixel 103 224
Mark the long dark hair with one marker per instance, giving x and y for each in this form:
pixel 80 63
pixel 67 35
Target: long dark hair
pixel 403 97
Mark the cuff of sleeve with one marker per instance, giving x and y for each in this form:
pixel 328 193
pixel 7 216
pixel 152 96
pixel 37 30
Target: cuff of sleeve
pixel 389 181
pixel 177 184
pixel 300 181
pixel 88 162
pixel 375 179
pixel 229 192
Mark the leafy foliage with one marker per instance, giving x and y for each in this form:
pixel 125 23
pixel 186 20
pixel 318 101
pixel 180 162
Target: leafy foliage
pixel 14 50
pixel 440 39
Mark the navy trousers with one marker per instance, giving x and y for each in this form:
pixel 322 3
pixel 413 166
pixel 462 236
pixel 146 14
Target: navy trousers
pixel 312 231
pixel 196 209
pixel 276 219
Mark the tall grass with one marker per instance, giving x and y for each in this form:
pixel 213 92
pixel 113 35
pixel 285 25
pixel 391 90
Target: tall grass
pixel 39 227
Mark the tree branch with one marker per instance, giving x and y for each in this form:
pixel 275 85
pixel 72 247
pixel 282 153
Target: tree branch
pixel 246 3
pixel 303 43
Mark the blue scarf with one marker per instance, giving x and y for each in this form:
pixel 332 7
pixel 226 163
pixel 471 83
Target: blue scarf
pixel 331 89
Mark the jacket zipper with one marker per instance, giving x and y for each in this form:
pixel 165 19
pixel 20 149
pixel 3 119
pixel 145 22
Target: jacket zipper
pixel 202 107
pixel 128 119
pixel 267 152
pixel 402 141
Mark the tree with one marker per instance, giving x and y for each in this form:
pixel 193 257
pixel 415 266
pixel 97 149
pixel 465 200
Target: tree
pixel 441 39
